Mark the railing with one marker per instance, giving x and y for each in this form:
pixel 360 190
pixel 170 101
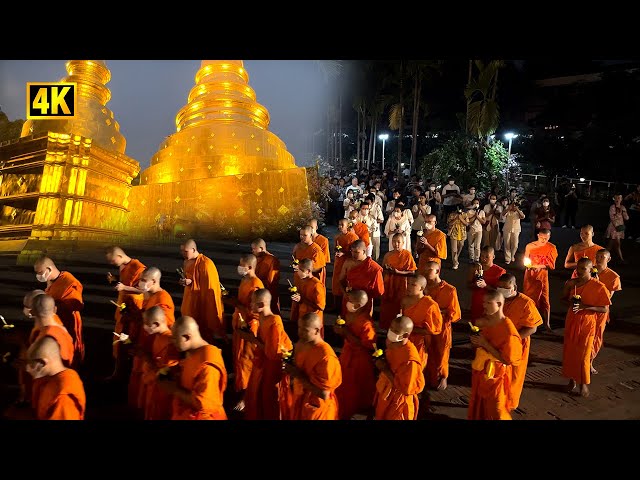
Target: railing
pixel 587 189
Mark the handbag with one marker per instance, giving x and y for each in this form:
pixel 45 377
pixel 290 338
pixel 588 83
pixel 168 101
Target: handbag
pixel 620 228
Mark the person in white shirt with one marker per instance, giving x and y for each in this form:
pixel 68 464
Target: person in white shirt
pixel 349 204
pixel 419 212
pixel 377 218
pixel 476 219
pixel 511 230
pixel 391 204
pixel 450 197
pixel 468 198
pixel 492 213
pixel 368 220
pixel 398 223
pixel 354 186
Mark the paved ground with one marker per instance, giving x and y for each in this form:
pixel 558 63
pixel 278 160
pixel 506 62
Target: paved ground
pixel 615 391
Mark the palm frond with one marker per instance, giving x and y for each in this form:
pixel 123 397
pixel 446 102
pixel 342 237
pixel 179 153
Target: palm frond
pixel 330 68
pixel 395 115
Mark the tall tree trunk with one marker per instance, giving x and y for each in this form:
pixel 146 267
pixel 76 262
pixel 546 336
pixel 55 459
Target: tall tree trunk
pixel 468 100
pixel 371 143
pixel 416 111
pixel 339 126
pixel 358 142
pixel 375 137
pixel 401 117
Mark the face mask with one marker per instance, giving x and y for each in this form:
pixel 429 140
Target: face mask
pixel 351 307
pixel 492 202
pixel 506 292
pixel 397 214
pixel 27 312
pixel 472 192
pixel 546 204
pixel 44 277
pixel 242 271
pixel 394 338
pixel 429 226
pixel 451 182
pixel 420 183
pixel 432 188
pixel 476 206
pixel 144 286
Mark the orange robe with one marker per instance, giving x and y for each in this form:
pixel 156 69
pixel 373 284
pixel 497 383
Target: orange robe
pixel 362 231
pixel 611 280
pixel 424 314
pixel 395 286
pixel 268 270
pixel 536 284
pixel 439 348
pixel 313 299
pixel 66 290
pixel 522 311
pixel 491 276
pixel 589 252
pixel 399 400
pixel 131 322
pixel 367 276
pixel 261 399
pixel 489 396
pixel 580 330
pixel 243 352
pixel 358 387
pixel 60 335
pixel 157 402
pixel 345 241
pixel 322 367
pixel 438 240
pixel 59 397
pixel 202 300
pixel 323 243
pixel 205 376
pixel 314 252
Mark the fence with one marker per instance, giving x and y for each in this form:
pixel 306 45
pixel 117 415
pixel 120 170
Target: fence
pixel 588 189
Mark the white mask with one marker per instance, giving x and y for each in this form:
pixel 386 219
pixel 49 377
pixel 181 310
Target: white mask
pixel 506 292
pixel 44 277
pixel 394 338
pixel 242 271
pixel 144 286
pixel 432 188
pixel 351 307
pixel 492 202
pixel 546 204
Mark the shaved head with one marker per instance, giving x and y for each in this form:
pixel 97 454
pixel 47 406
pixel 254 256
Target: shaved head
pixel 494 296
pixel 44 262
pixel 309 327
pixel 585 261
pixel 358 297
pixel 488 249
pixel 419 280
pixel 587 228
pixel 343 222
pixel 248 260
pixel 313 223
pixel 307 230
pixel 402 325
pixel 152 273
pixel 28 298
pixel 116 256
pixel 306 264
pixel 43 306
pixel 189 249
pixel 44 348
pixel 430 218
pixel 191 243
pixel 262 295
pixel 114 250
pixel 154 314
pixel 508 279
pixel 259 243
pixel 311 320
pixel 186 334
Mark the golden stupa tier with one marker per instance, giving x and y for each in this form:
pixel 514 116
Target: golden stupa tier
pixel 93 119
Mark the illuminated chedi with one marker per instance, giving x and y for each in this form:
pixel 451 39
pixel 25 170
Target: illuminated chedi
pixel 223 173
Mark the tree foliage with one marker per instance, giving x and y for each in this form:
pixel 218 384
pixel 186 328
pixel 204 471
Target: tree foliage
pixel 9 130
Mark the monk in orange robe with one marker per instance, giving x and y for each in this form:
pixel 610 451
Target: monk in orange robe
pixel 268 270
pixel 199 391
pixel 315 373
pixel 483 278
pixel 586 297
pixel 355 394
pixel 498 348
pixel 58 392
pixel 611 280
pixel 439 348
pixel 401 379
pixel 307 248
pixel 361 273
pixel 244 317
pixel 163 357
pixel 261 399
pixel 584 248
pixel 398 264
pixel 48 324
pixel 202 298
pixel 342 251
pixel 522 311
pixel 130 270
pixel 360 228
pixel 432 245
pixel 323 243
pixel 424 313
pixel 66 290
pixel 542 257
pixel 310 295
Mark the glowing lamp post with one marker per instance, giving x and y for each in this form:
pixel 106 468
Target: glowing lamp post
pixel 509 136
pixel 383 137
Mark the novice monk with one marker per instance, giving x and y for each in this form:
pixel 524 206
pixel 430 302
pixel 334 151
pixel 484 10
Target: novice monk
pixel 424 313
pixel 611 280
pixel 311 295
pixel 323 243
pixel 584 248
pixel 490 273
pixel 315 373
pixel 543 255
pixel 306 248
pixel 580 324
pixel 130 271
pixel 398 264
pixel 164 355
pixel 243 317
pixel 360 228
pixel 498 348
pixel 361 273
pixel 261 399
pixel 438 350
pixel 342 252
pixel 47 324
pixel 66 290
pixel 202 298
pixel 268 270
pixel 58 392
pixel 432 245
pixel 198 393
pixel 401 379
pixel 355 394
pixel 522 311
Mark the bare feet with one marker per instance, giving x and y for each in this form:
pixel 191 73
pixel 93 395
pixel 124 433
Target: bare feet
pixel 584 390
pixel 572 386
pixel 593 371
pixel 239 406
pixel 442 385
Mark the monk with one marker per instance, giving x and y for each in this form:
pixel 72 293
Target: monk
pixel 261 399
pixel 315 373
pixel 432 245
pixel 542 255
pixel 311 295
pixel 342 251
pixel 58 392
pixel 424 313
pixel 307 248
pixel 490 273
pixel 611 280
pixel 584 248
pixel 586 297
pixel 323 243
pixel 268 270
pixel 401 379
pixel 202 298
pixel 361 273
pixel 355 394
pixel 398 264
pixel 438 350
pixel 522 311
pixel 360 228
pixel 48 324
pixel 66 290
pixel 199 390
pixel 243 317
pixel 130 271
pixel 164 355
pixel 498 348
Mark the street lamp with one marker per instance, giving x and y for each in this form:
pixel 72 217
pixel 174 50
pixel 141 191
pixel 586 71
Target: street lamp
pixel 509 136
pixel 383 137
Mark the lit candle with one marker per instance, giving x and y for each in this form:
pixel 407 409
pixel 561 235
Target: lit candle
pixel 527 262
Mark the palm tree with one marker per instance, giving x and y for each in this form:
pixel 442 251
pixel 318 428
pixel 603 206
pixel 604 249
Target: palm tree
pixel 484 114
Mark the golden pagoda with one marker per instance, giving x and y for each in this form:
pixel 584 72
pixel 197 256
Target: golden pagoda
pixel 66 181
pixel 223 173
